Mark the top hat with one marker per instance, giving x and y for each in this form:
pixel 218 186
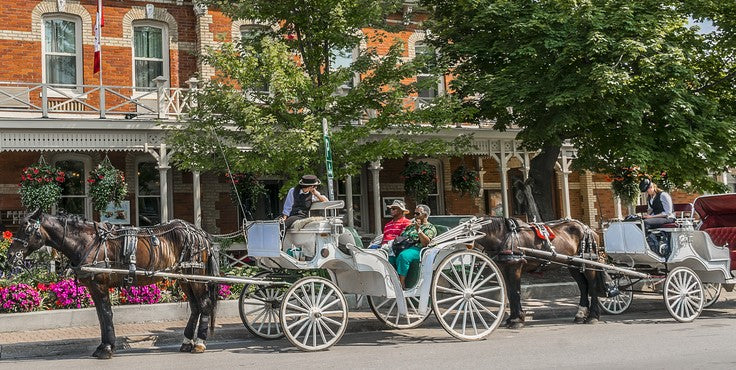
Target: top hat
pixel 398 204
pixel 644 185
pixel 309 180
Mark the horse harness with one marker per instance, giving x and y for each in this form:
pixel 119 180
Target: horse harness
pixel 588 248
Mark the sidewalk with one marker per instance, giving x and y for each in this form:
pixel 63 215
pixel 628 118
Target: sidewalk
pixel 76 332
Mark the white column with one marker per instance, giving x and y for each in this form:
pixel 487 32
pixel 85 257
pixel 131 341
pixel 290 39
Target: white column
pixel 376 168
pixel 349 199
pixel 197 193
pixel 617 202
pixel 724 178
pixel 504 185
pixel 163 157
pixel 564 162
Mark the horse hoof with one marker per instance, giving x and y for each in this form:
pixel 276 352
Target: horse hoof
pixel 199 348
pixel 578 320
pixel 591 320
pixel 186 347
pixel 515 325
pixel 103 352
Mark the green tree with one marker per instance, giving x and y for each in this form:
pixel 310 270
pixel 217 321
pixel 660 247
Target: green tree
pixel 275 86
pixel 626 82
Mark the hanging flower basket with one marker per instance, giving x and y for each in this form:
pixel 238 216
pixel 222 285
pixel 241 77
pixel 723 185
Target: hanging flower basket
pixel 466 181
pixel 420 180
pixel 106 184
pixel 248 188
pixel 625 184
pixel 40 186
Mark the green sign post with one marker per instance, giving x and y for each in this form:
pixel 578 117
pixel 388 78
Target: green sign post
pixel 328 160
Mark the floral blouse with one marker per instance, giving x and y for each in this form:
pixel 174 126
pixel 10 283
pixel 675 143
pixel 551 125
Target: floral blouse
pixel 412 233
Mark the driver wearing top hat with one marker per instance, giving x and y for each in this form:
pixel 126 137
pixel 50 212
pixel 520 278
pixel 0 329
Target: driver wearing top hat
pixel 300 199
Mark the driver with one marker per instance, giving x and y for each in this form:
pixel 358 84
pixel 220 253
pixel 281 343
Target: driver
pixel 659 210
pixel 300 199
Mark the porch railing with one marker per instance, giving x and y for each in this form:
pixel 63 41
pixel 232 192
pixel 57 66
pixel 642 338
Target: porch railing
pixel 96 101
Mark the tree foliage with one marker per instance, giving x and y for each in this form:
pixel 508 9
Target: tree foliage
pixel 627 82
pixel 274 87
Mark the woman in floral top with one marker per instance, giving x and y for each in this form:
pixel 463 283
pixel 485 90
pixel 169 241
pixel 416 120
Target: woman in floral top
pixel 420 232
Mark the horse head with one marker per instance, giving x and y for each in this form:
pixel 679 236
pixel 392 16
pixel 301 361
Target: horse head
pixel 29 238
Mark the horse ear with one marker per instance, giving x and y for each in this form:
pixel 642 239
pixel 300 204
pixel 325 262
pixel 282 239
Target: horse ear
pixel 35 215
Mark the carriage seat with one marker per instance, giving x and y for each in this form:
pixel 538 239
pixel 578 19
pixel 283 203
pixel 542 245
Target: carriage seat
pixel 298 225
pixel 724 236
pixel 682 211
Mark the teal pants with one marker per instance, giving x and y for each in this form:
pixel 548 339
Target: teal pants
pixel 404 259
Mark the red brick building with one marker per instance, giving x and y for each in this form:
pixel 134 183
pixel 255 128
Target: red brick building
pixel 53 105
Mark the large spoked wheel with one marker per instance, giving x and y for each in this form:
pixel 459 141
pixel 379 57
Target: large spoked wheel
pixel 259 309
pixel 468 295
pixel 387 311
pixel 683 294
pixel 712 292
pixel 620 303
pixel 314 314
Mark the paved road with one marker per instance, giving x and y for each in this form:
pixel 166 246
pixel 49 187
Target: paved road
pixel 643 337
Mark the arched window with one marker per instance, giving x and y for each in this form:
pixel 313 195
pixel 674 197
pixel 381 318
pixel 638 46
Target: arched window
pixel 150 53
pixel 62 50
pixel 74 190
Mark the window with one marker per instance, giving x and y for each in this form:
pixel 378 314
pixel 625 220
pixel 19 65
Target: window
pixel 342 59
pixel 251 35
pixel 150 55
pixel 62 51
pixel 429 86
pixel 74 190
pixel 148 194
pixel 435 200
pixel 357 190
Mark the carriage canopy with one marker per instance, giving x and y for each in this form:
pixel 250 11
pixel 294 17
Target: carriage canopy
pixel 716 210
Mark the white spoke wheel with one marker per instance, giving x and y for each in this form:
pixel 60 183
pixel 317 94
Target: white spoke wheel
pixel 314 314
pixel 468 295
pixel 259 309
pixel 712 293
pixel 683 294
pixel 387 311
pixel 620 303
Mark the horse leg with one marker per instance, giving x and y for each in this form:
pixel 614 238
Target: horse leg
pixel 101 296
pixel 188 343
pixel 512 275
pixel 205 308
pixel 595 312
pixel 584 304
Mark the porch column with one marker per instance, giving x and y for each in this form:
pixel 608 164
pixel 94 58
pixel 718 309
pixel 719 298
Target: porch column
pixel 481 173
pixel 724 178
pixel 375 168
pixel 349 199
pixel 163 157
pixel 564 164
pixel 502 158
pixel 197 199
pixel 617 202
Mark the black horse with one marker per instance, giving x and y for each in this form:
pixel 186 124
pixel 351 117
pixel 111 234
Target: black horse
pixel 173 246
pixel 572 238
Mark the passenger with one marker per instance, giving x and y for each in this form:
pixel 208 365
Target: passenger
pixel 419 233
pixel 300 199
pixel 659 204
pixel 394 227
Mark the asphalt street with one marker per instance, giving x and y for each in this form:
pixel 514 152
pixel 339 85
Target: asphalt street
pixel 643 337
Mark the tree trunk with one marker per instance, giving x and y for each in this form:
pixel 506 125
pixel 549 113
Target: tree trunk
pixel 541 178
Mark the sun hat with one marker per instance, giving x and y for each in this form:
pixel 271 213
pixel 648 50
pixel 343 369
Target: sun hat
pixel 398 204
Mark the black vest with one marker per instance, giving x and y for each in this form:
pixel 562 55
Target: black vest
pixel 302 203
pixel 656 204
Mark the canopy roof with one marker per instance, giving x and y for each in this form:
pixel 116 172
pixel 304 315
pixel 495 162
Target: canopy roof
pixel 716 210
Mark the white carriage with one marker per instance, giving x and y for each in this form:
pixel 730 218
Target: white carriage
pixel 464 288
pixel 691 272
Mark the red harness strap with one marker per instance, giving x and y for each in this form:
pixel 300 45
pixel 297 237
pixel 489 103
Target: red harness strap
pixel 543 232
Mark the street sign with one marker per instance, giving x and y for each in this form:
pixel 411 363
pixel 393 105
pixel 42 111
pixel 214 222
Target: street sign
pixel 328 161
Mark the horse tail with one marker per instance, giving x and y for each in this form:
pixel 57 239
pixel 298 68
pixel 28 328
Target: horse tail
pixel 213 269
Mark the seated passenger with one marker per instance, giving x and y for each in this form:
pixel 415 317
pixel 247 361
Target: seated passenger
pixel 419 233
pixel 299 200
pixel 394 227
pixel 659 204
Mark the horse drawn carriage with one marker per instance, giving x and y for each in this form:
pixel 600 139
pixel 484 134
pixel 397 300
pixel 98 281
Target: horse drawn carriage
pixel 688 262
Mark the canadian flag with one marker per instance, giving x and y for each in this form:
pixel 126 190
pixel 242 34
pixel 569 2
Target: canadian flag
pixel 98 36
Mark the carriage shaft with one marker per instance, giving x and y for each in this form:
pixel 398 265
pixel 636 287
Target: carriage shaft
pixel 195 278
pixel 556 257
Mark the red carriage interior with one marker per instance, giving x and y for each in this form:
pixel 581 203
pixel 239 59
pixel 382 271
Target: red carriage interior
pixel 718 215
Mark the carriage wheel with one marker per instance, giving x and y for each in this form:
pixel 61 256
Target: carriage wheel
pixel 468 295
pixel 314 314
pixel 259 308
pixel 620 303
pixel 683 294
pixel 387 311
pixel 712 292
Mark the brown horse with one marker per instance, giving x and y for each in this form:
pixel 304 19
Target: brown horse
pixel 173 246
pixel 572 238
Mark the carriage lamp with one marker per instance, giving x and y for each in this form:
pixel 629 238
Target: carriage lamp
pixel 324 252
